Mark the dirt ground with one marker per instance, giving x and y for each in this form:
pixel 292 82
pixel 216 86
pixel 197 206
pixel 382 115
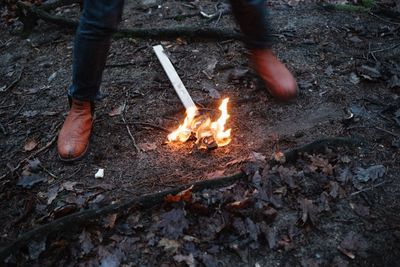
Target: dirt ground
pixel 340 208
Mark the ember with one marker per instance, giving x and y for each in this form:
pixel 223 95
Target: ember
pixel 205 131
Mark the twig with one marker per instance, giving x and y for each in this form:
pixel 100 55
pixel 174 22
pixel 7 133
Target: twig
pixel 129 130
pixel 367 189
pixel 319 145
pixel 7 106
pixel 49 173
pixel 149 125
pixel 142 202
pixel 384 20
pixel 385 49
pixel 386 131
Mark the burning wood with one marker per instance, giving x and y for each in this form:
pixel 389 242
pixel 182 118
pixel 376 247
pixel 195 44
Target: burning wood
pixel 209 134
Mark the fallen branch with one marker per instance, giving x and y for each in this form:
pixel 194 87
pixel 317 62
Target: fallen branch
pixel 152 33
pixel 318 146
pixel 142 202
pixel 367 189
pixel 55 4
pixel 150 200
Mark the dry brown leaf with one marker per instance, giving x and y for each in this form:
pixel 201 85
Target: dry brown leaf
pixel 117 111
pixel 147 146
pixel 185 195
pixel 109 221
pixel 309 211
pixel 240 204
pixel 30 145
pixel 169 245
pixel 68 185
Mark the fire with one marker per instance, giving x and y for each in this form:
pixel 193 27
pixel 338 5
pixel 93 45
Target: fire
pixel 205 130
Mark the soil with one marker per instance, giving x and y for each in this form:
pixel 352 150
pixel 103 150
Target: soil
pixel 347 67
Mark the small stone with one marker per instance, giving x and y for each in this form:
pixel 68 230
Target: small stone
pixel 99 174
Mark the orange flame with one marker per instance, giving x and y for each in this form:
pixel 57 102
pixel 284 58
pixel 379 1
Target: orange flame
pixel 203 127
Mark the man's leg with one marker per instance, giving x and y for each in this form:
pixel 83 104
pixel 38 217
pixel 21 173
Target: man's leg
pixel 98 21
pixel 251 16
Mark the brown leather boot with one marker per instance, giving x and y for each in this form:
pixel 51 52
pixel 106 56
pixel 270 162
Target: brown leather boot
pixel 277 78
pixel 73 139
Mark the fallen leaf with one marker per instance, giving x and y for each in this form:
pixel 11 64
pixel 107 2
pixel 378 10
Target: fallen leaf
pixel 86 242
pixel 240 204
pixel 109 221
pixel 270 214
pixel 280 157
pixel 147 146
pixel 30 145
pixel 252 229
pixel 360 209
pixel 117 111
pixel 173 223
pixel 112 258
pixel 185 195
pixel 353 244
pixel 269 234
pixel 52 194
pixel 257 157
pixel 371 173
pixel 36 247
pixel 329 70
pixel 354 78
pixel 34 165
pixel 318 163
pixel 68 185
pixel 31 180
pixel 345 175
pixel 369 73
pixel 169 245
pixel 394 82
pixel 334 189
pixel 63 210
pixel 189 259
pixel 309 211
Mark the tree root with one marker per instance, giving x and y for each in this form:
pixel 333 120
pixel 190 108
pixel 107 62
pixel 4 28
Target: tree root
pixel 320 145
pixel 31 13
pixel 147 201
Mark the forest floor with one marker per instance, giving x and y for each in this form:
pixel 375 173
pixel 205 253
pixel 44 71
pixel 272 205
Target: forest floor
pixel 339 207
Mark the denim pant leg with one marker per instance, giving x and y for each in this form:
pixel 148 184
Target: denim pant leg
pixel 98 21
pixel 252 17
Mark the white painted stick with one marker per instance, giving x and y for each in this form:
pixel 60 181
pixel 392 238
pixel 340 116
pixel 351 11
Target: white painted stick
pixel 177 83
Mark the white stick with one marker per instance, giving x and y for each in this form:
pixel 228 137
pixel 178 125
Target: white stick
pixel 177 83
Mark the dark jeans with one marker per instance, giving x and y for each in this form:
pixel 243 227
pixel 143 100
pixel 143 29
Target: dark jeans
pixel 100 19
